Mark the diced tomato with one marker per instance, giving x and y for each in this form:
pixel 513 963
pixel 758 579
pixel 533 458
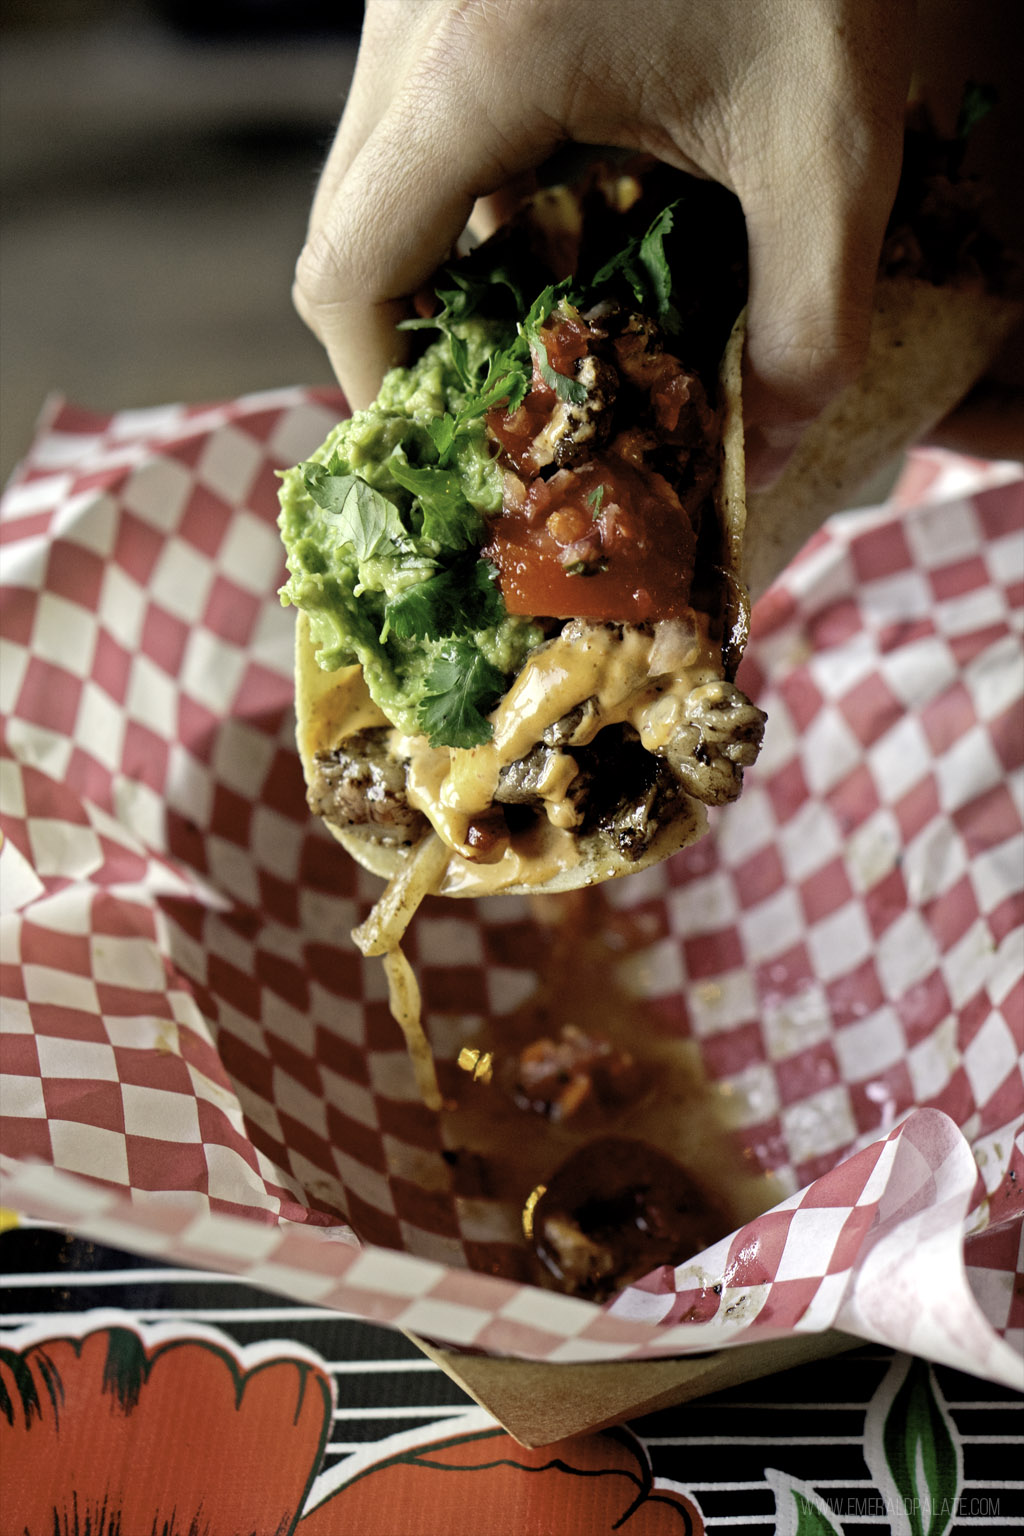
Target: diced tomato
pixel 565 342
pixel 517 431
pixel 609 540
pixel 612 542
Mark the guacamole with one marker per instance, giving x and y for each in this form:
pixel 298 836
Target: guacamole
pixel 383 528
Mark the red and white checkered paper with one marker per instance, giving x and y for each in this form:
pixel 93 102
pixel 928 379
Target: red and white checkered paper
pixel 199 1066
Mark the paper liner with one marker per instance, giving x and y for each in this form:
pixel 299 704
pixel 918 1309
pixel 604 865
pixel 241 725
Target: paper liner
pixel 199 1066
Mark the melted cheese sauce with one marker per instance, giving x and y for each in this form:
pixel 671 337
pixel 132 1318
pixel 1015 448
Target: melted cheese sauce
pixel 333 704
pixel 623 675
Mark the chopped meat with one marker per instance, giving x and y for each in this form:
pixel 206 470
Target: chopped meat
pixel 727 718
pixel 575 727
pixel 572 432
pixel 360 786
pixel 635 823
pixel 670 421
pixel 636 347
pixel 607 779
pixel 617 787
pixel 520 783
pixel 563 1078
pixel 634 793
pixel 629 793
pixel 722 736
pixel 524 782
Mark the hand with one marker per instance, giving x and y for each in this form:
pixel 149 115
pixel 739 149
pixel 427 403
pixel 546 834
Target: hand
pixel 796 105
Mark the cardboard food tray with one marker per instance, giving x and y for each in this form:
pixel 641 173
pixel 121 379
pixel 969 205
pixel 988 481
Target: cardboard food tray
pixel 199 1066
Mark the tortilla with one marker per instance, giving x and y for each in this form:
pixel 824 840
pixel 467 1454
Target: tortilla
pixel 928 345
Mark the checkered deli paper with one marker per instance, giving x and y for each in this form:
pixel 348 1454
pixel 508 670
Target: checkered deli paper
pixel 199 1066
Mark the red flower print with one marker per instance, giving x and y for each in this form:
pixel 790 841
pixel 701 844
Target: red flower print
pixel 124 1431
pixel 478 1478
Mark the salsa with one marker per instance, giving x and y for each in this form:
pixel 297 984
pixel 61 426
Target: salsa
pixel 605 542
pixel 590 526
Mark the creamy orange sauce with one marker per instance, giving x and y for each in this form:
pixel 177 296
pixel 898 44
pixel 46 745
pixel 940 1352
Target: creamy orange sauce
pixel 628 675
pixel 620 672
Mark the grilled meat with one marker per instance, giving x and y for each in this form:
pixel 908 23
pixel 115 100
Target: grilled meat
pixel 361 785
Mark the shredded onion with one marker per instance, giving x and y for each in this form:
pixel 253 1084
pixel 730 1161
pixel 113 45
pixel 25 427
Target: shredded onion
pixel 673 646
pixel 405 1004
pixel 383 930
pixel 513 491
pixel 382 933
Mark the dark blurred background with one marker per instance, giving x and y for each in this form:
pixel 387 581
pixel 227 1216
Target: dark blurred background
pixel 157 162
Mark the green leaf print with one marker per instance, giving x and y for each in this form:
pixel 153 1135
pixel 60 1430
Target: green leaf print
pixel 799 1509
pixel 913 1451
pixel 921 1454
pixel 809 1519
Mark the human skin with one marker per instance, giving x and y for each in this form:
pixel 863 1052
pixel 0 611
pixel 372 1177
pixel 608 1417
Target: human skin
pixel 795 105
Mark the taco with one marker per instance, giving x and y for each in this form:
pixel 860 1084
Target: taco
pixel 519 570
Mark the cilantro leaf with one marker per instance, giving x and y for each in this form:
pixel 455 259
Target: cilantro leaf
pixel 462 686
pixel 655 263
pixel 509 368
pixel 485 606
pixel 460 359
pixel 542 306
pixel 458 601
pixel 449 520
pixel 645 267
pixel 503 276
pixel 471 295
pixel 507 379
pixel 428 610
pixel 623 264
pixel 565 388
pixel 448 433
pixel 458 303
pixel 442 431
pixel 364 518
